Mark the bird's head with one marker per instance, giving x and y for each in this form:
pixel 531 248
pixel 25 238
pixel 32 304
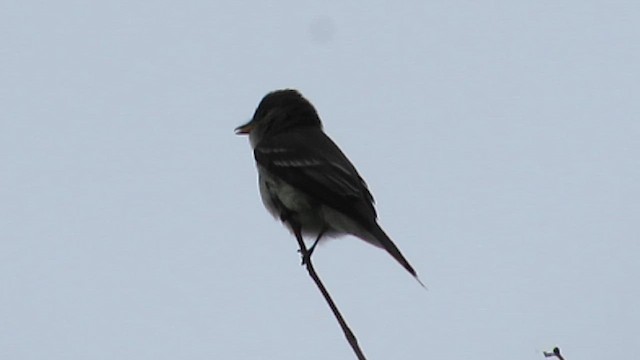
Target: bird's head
pixel 278 112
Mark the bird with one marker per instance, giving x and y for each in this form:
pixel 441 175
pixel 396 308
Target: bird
pixel 304 178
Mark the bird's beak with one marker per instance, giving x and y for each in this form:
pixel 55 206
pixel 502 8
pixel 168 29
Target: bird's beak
pixel 244 129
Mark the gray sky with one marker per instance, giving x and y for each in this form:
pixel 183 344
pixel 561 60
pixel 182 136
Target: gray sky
pixel 500 140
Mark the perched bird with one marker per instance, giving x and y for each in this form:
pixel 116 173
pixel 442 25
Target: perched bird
pixel 305 179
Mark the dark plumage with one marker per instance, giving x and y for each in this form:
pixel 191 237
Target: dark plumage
pixel 306 179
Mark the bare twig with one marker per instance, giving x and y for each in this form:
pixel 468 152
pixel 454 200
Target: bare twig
pixel 555 353
pixel 306 260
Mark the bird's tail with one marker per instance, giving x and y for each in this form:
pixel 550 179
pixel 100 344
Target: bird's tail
pixel 387 244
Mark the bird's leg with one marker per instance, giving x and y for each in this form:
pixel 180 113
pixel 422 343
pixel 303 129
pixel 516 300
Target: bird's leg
pixel 286 217
pixel 307 257
pixel 297 231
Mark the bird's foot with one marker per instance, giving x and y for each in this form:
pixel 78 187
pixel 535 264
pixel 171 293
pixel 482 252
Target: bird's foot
pixel 306 255
pixel 306 258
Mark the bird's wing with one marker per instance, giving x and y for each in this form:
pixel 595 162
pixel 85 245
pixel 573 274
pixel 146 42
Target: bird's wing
pixel 315 165
pixel 312 163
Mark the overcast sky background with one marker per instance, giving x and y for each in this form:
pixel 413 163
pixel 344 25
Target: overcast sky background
pixel 499 138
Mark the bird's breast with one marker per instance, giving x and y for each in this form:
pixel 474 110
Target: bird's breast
pixel 278 196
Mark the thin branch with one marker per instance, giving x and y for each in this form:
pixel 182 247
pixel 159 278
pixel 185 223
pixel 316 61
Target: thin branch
pixel 555 353
pixel 351 338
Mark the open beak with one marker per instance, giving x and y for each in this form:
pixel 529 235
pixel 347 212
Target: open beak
pixel 244 129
